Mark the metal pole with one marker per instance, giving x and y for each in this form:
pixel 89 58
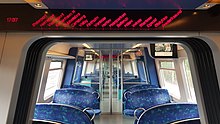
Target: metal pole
pixel 110 81
pixel 100 75
pixel 122 88
pixel 118 77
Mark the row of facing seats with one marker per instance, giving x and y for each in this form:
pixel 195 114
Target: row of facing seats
pixel 61 113
pixel 144 99
pixel 170 113
pixel 79 98
pixel 174 113
pixel 83 99
pixel 152 105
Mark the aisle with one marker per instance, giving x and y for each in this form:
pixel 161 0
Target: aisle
pixel 113 119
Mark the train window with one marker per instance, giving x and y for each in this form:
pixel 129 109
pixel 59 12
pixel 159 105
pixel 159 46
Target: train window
pixel 90 65
pixel 128 67
pixel 53 78
pixel 189 82
pixel 97 65
pixel 168 78
pixel 84 68
pixel 166 65
pixel 134 67
pixel 55 65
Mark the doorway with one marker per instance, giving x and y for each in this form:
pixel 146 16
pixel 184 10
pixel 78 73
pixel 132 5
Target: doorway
pixel 111 102
pixel 26 89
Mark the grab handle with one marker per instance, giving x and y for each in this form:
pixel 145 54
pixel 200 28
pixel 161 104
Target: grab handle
pixel 136 112
pixel 92 111
pixel 125 96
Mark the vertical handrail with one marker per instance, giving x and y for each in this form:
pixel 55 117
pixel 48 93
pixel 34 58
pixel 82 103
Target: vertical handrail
pixel 100 75
pixel 118 77
pixel 110 82
pixel 122 88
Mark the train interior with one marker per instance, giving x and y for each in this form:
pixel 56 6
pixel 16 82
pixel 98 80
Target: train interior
pixel 114 82
pixel 110 62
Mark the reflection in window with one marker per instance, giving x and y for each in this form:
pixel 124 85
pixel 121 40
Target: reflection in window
pixel 189 82
pixel 169 78
pixel 53 79
pixel 167 65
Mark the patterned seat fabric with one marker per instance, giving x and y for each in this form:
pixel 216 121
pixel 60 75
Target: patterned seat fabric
pixel 79 98
pixel 34 121
pixel 188 121
pixel 80 87
pixel 138 87
pixel 61 113
pixel 145 99
pixel 92 89
pixel 167 113
pixel 132 89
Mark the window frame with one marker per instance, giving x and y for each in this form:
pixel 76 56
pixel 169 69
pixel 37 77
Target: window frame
pixel 187 88
pixel 162 83
pixel 59 80
pixel 41 98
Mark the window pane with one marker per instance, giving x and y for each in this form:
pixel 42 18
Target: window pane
pixel 54 65
pixel 53 80
pixel 97 65
pixel 188 76
pixel 170 81
pixel 167 64
pixel 127 67
pixel 134 66
pixel 90 67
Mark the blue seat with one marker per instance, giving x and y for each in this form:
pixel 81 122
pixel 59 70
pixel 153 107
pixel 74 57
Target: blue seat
pixel 188 121
pixel 128 85
pixel 92 77
pixel 80 87
pixel 138 87
pixel 91 89
pixel 35 121
pixel 79 98
pixel 61 113
pixel 144 99
pixel 167 113
pixel 95 87
pixel 134 88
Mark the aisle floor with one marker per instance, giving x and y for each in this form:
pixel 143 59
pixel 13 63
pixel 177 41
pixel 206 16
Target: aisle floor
pixel 113 119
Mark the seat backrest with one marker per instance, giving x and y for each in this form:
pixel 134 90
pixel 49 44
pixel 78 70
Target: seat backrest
pixel 139 87
pixel 146 98
pixel 188 121
pixel 134 88
pixel 79 98
pixel 35 121
pixel 80 87
pixel 167 113
pixel 61 113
